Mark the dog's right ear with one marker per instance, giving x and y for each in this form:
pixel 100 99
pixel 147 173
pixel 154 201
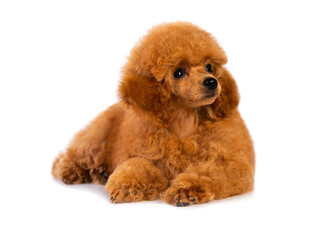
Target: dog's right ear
pixel 143 86
pixel 148 97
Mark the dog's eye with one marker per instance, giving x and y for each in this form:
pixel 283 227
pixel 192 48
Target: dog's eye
pixel 180 72
pixel 209 68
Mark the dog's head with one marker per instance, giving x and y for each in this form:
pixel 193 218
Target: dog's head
pixel 178 62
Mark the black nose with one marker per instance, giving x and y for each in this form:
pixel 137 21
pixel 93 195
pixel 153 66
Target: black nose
pixel 210 83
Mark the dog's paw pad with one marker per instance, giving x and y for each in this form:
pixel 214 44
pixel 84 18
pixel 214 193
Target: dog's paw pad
pixel 183 197
pixel 182 204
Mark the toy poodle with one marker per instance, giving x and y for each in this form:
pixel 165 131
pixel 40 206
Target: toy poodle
pixel 176 133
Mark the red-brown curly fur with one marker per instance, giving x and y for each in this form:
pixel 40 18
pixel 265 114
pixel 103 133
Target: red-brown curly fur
pixel 166 139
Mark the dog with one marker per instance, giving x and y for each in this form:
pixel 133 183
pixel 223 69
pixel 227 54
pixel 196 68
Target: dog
pixel 176 133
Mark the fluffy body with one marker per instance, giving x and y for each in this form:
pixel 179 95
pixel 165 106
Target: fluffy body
pixel 167 138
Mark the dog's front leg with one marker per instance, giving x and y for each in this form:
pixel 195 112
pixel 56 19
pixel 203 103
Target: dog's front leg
pixel 214 179
pixel 136 179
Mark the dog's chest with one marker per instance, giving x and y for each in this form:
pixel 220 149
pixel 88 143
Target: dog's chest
pixel 173 149
pixel 183 123
pixel 169 151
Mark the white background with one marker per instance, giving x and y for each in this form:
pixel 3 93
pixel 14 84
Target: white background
pixel 59 67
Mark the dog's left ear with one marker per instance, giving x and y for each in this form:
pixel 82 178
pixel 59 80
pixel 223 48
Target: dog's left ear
pixel 228 99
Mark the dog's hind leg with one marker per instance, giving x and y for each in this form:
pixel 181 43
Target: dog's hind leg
pixel 87 158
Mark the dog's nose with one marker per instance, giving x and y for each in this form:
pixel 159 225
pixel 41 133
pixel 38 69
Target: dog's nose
pixel 210 83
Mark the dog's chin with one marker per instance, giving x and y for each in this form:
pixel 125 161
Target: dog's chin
pixel 203 101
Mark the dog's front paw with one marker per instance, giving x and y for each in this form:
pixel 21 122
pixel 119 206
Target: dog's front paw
pixel 188 189
pixel 123 193
pixel 135 180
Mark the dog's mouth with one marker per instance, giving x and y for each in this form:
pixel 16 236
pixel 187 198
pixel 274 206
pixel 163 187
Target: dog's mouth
pixel 205 100
pixel 210 95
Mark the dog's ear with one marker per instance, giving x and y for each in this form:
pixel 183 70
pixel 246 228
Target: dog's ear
pixel 147 96
pixel 228 99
